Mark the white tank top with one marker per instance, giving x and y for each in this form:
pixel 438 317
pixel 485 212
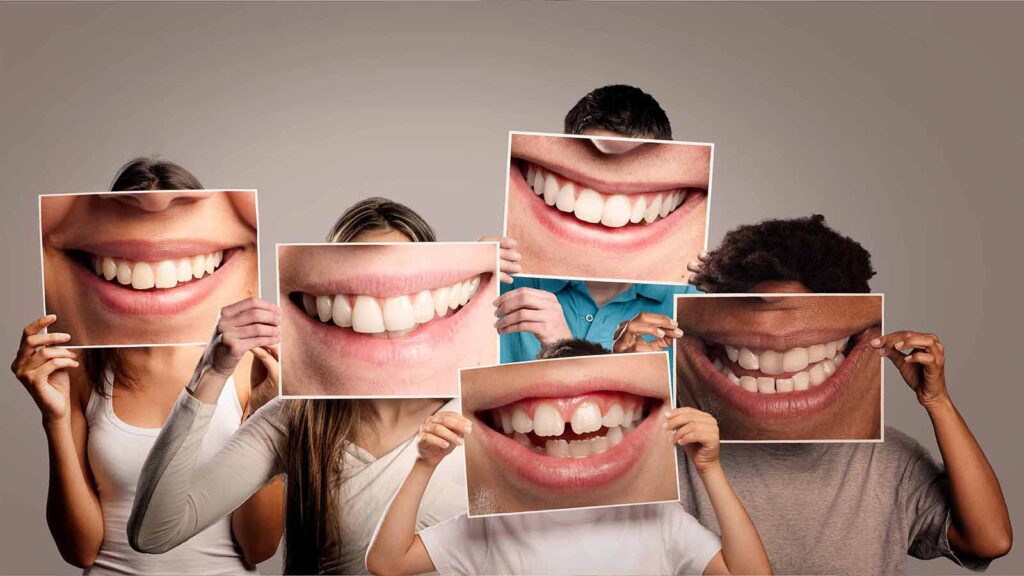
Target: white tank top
pixel 116 452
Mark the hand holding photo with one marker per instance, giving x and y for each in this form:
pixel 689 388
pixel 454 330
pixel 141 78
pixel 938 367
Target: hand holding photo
pixel 385 319
pixel 607 208
pixel 782 367
pixel 568 433
pixel 146 267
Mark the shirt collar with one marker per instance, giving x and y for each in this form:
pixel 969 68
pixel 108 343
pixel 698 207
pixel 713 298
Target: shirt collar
pixel 655 292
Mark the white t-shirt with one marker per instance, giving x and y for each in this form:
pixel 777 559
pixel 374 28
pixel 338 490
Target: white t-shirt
pixel 645 539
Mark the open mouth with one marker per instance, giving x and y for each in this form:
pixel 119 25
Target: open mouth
pixel 388 317
pixel 596 207
pixel 577 440
pixel 765 380
pixel 140 275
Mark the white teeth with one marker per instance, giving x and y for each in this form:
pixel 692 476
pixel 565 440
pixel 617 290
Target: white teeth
pixel 183 270
pixel 423 307
pixel 395 315
pixel 547 421
pixel 653 209
pixel 506 422
pixel 828 368
pixel 589 206
pixel 627 416
pixel 732 353
pixel 614 435
pixel 801 381
pixel 367 317
pixel 558 448
pixel 616 211
pixel 817 373
pixel 637 214
pixel 770 362
pixel 165 274
pixel 523 439
pixel 830 349
pixel 766 385
pixel 815 353
pixel 97 265
pixel 748 383
pixel 210 264
pixel 110 269
pixel 599 444
pixel 341 310
pixel 398 314
pixel 124 273
pixel 838 360
pixel 586 418
pixel 784 385
pixel 566 199
pixel 579 448
pixel 732 376
pixel 794 360
pixel 198 266
pixel 611 210
pixel 142 276
pixel 748 360
pixel 550 190
pixel 841 343
pixel 521 421
pixel 613 416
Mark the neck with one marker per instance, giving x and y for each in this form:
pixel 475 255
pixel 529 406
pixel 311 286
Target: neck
pixel 603 292
pixel 393 412
pixel 157 362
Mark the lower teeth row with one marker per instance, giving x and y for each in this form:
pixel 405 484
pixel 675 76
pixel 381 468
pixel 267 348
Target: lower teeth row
pixel 578 448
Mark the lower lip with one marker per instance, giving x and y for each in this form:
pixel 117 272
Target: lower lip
pixel 626 239
pixel 783 406
pixel 555 473
pixel 159 301
pixel 420 345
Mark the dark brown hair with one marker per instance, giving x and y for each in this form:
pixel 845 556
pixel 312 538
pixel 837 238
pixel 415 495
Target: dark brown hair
pixel 319 430
pixel 620 109
pixel 138 174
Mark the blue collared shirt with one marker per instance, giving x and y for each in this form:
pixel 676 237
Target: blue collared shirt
pixel 585 319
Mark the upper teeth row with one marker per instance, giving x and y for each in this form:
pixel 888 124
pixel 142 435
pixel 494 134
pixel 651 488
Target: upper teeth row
pixel 548 421
pixel 795 359
pixel 371 315
pixel 801 380
pixel 614 211
pixel 162 274
pixel 577 448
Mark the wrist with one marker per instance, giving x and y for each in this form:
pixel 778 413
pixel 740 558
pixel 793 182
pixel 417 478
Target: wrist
pixel 425 465
pixel 937 403
pixel 709 469
pixel 56 425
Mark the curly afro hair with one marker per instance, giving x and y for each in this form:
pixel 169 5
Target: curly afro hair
pixel 801 250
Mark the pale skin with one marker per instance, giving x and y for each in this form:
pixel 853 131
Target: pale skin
pixel 398 549
pixel 56 381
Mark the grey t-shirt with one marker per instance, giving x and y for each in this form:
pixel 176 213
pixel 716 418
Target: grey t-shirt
pixel 836 508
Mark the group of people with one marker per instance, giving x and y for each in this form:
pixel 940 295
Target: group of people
pixel 180 459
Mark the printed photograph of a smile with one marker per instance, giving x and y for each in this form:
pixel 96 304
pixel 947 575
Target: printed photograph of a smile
pixel 568 433
pixel 575 211
pixel 154 271
pixel 789 368
pixel 393 319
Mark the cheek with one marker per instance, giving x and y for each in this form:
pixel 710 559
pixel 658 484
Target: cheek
pixel 244 204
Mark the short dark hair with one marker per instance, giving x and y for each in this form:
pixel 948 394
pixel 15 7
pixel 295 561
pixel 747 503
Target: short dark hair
pixel 380 214
pixel 153 174
pixel 801 250
pixel 571 348
pixel 625 110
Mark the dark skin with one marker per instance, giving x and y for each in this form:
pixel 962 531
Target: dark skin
pixel 854 414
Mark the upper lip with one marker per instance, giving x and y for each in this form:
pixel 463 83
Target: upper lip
pixel 609 186
pixel 385 286
pixel 565 389
pixel 145 250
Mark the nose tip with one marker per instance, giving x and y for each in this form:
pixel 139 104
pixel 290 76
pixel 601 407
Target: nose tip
pixel 156 201
pixel 615 146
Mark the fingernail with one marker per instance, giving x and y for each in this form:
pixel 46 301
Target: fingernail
pixel 876 342
pixel 65 337
pixel 667 413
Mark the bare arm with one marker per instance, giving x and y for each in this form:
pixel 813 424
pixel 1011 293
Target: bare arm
pixel 396 548
pixel 72 507
pixel 980 523
pixel 742 550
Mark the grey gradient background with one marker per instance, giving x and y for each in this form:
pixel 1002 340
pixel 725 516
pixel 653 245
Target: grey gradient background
pixel 901 123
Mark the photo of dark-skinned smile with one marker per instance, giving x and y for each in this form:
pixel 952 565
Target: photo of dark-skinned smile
pixel 777 367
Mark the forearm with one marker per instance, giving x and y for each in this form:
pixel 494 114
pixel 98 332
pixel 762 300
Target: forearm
pixel 393 545
pixel 258 523
pixel 206 384
pixel 980 520
pixel 72 509
pixel 742 549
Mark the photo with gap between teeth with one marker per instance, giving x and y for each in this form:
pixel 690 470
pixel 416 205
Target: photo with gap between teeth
pixel 581 207
pixel 775 367
pixel 368 320
pixel 568 433
pixel 143 268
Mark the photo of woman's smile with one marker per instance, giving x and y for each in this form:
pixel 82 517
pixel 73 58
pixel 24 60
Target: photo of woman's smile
pixel 568 433
pixel 146 267
pixel 578 208
pixel 385 319
pixel 779 367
